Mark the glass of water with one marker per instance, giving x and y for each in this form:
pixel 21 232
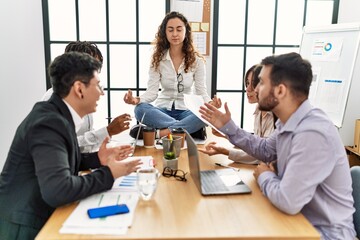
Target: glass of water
pixel 133 144
pixel 147 182
pixel 115 143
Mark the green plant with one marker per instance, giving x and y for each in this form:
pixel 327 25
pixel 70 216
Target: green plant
pixel 170 155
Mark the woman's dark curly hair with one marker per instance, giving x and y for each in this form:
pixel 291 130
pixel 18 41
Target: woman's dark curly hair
pixel 162 44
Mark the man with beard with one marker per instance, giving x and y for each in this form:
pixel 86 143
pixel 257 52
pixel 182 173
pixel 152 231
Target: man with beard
pixel 313 175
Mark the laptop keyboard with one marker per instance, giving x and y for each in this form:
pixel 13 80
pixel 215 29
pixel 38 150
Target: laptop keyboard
pixel 211 182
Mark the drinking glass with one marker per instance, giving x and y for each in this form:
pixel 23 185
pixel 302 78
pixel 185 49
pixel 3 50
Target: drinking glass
pixel 147 182
pixel 115 143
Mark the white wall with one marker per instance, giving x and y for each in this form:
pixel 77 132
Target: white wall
pixel 348 11
pixel 21 65
pixel 22 61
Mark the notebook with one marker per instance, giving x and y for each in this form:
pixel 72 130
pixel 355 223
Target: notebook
pixel 213 182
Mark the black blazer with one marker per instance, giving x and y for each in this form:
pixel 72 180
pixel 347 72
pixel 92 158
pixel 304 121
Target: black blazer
pixel 41 169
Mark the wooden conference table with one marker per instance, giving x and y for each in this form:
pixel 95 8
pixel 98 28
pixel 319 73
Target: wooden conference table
pixel 179 211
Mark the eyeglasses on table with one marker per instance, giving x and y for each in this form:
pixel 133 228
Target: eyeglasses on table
pixel 178 174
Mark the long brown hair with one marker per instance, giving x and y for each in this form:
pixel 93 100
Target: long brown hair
pixel 162 44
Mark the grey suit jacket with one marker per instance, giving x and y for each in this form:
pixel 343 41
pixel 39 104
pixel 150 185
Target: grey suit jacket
pixel 41 169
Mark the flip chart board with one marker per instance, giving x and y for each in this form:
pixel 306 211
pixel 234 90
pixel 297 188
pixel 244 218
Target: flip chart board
pixel 333 51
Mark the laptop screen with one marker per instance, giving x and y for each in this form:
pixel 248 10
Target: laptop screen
pixel 193 155
pixel 216 182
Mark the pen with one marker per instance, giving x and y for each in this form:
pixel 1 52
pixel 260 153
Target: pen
pixel 220 165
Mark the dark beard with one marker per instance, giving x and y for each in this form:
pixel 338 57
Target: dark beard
pixel 268 103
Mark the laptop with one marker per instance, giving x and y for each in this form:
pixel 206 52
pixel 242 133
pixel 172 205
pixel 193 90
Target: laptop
pixel 213 182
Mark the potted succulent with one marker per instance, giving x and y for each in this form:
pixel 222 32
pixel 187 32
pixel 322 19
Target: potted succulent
pixel 171 150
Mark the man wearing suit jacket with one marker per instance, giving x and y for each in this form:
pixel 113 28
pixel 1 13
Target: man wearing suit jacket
pixel 41 170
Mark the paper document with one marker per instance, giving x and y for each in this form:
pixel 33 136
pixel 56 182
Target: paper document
pixel 147 161
pixel 192 9
pixel 124 191
pixel 125 183
pixel 193 103
pixel 79 222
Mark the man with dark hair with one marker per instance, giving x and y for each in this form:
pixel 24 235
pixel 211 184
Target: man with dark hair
pixel 42 166
pixel 312 174
pixel 85 47
pixel 90 139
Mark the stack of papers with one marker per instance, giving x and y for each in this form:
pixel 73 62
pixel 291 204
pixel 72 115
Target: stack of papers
pixel 124 191
pixel 125 184
pixel 80 223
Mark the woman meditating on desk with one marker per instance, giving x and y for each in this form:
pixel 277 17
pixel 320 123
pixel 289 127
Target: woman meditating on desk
pixel 263 122
pixel 177 67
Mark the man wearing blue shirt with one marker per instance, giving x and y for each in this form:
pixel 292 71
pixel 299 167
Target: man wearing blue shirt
pixel 312 174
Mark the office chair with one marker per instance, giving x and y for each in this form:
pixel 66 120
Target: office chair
pixel 355 175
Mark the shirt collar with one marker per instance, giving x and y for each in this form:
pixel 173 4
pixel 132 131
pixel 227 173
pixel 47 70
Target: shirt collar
pixel 167 55
pixel 76 118
pixel 295 118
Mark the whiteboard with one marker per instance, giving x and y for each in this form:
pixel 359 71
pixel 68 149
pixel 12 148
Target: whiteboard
pixel 333 52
